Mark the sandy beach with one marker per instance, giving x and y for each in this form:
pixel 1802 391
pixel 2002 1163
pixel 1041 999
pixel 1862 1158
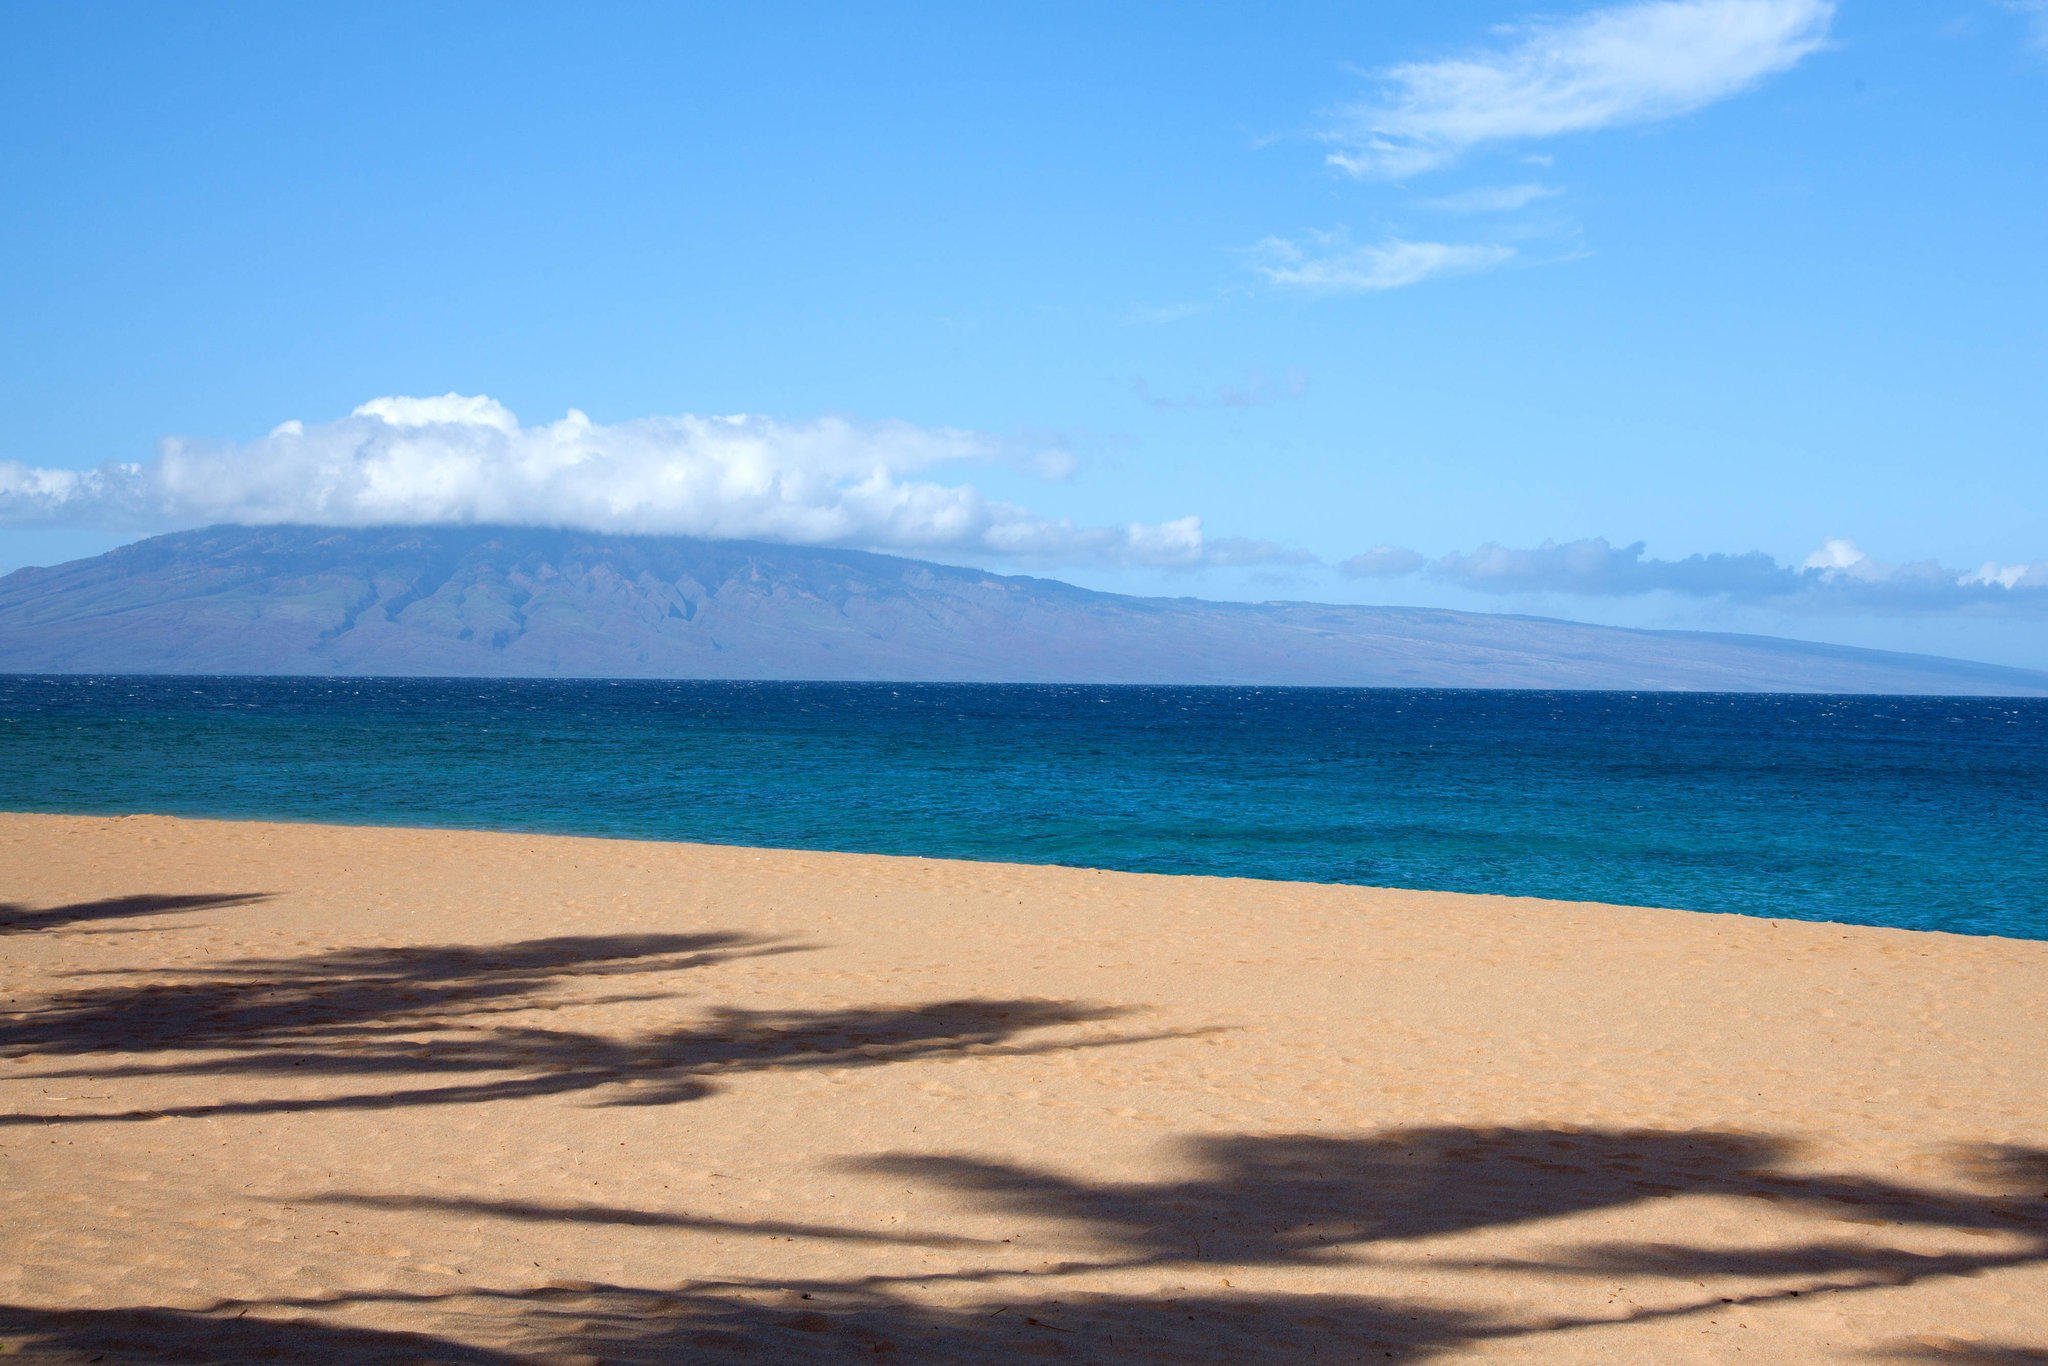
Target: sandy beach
pixel 351 1095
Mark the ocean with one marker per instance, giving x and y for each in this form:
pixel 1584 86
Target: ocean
pixel 1926 813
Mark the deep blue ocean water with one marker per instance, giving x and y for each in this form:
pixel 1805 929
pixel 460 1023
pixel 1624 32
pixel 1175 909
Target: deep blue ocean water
pixel 1929 813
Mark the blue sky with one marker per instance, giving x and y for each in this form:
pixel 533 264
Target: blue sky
pixel 1707 313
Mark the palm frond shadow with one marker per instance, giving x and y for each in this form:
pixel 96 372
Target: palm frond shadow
pixel 437 1020
pixel 537 1212
pixel 1274 1201
pixel 19 919
pixel 144 1334
pixel 1938 1350
pixel 1305 1199
pixel 380 1028
pixel 1245 1199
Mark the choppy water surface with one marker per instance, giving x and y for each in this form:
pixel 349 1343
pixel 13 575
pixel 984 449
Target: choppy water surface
pixel 1930 813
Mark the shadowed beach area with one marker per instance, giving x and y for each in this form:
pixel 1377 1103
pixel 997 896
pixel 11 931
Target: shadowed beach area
pixel 393 1095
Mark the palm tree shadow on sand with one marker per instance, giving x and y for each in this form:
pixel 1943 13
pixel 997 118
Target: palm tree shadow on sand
pixel 451 1025
pixel 385 1028
pixel 1247 1202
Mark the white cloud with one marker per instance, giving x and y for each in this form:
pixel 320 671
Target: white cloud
pixel 1836 555
pixel 467 459
pixel 1336 267
pixel 2029 575
pixel 464 410
pixel 1838 575
pixel 1492 199
pixel 1627 64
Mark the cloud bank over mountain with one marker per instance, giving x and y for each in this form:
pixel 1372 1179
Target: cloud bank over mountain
pixel 466 459
pixel 1837 576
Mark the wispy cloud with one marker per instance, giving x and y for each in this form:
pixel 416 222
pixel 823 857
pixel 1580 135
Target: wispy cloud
pixel 2034 13
pixel 1158 315
pixel 1838 575
pixel 467 459
pixel 1330 264
pixel 1258 388
pixel 1491 199
pixel 1627 64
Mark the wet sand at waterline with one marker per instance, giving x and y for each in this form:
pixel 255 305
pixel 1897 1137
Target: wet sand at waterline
pixel 403 1095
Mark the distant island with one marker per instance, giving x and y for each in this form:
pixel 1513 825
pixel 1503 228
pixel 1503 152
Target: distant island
pixel 496 601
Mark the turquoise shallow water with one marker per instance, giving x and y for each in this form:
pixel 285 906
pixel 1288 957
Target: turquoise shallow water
pixel 1929 813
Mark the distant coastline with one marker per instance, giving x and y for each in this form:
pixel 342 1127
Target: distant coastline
pixel 486 602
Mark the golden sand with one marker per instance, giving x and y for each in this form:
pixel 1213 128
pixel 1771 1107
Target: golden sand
pixel 400 1095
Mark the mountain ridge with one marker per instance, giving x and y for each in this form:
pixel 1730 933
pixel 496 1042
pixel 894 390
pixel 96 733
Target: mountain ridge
pixel 484 601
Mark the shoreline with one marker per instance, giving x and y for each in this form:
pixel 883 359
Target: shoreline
pixel 777 849
pixel 1884 811
pixel 377 1093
